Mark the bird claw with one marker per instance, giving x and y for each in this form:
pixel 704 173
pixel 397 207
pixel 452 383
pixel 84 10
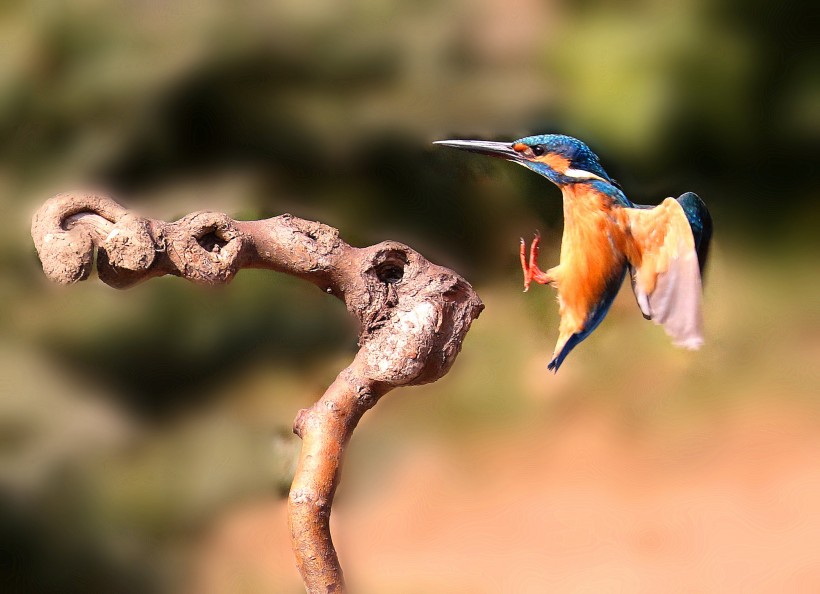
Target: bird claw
pixel 530 267
pixel 524 266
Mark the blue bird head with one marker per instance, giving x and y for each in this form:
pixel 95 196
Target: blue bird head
pixel 561 159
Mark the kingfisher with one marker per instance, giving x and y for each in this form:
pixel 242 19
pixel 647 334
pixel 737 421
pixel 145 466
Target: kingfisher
pixel 663 248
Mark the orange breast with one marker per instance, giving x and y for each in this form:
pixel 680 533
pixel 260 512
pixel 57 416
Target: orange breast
pixel 592 249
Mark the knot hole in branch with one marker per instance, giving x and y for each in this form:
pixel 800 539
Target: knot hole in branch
pixel 209 247
pixel 390 270
pixel 212 239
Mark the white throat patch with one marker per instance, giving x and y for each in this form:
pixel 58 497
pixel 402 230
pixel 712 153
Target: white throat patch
pixel 581 174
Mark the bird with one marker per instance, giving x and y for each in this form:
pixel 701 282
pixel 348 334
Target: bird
pixel 663 248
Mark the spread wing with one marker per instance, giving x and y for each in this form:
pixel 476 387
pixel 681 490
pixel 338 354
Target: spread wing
pixel 671 244
pixel 700 222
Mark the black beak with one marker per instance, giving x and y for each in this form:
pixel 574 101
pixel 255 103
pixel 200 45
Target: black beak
pixel 502 150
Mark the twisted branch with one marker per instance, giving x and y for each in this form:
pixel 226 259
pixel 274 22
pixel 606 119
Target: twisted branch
pixel 412 317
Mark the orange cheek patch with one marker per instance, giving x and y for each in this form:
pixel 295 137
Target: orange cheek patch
pixel 555 162
pixel 520 147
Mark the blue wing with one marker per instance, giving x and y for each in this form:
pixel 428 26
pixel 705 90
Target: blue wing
pixel 671 246
pixel 701 223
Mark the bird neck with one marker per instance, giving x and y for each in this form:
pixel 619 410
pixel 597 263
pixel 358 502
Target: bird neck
pixel 606 191
pixel 582 201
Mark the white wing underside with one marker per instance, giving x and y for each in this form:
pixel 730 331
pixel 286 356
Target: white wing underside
pixel 667 282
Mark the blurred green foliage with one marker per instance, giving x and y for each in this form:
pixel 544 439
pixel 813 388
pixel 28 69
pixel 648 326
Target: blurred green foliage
pixel 128 419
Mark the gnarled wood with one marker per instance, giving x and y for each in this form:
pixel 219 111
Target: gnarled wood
pixel 412 317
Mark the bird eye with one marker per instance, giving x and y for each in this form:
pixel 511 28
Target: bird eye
pixel 538 150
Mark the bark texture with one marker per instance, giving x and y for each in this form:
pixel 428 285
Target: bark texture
pixel 412 317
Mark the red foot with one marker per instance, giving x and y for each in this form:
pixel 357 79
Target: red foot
pixel 531 270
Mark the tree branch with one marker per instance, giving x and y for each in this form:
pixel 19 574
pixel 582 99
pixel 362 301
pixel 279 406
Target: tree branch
pixel 412 318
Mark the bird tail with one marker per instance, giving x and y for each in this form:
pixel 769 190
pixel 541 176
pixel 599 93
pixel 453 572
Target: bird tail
pixel 570 344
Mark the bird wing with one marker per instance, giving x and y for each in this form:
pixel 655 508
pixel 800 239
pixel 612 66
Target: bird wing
pixel 700 222
pixel 666 266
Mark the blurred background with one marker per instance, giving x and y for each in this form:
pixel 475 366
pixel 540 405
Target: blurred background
pixel 145 440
